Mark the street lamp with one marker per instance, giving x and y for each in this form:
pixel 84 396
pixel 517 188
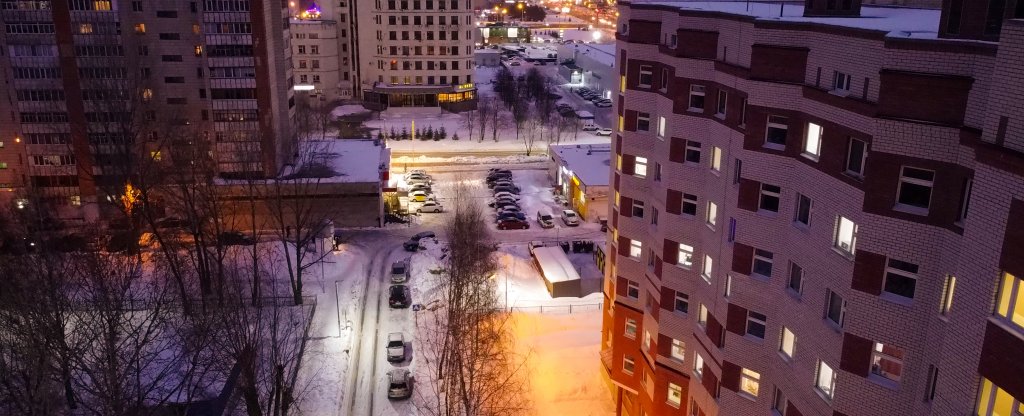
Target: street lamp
pixel 522 13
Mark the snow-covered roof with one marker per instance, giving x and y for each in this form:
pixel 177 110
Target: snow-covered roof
pixel 349 160
pixel 591 163
pixel 895 21
pixel 554 265
pixel 600 52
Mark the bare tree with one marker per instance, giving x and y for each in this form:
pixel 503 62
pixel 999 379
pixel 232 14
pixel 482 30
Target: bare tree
pixel 520 113
pixel 496 119
pixel 467 344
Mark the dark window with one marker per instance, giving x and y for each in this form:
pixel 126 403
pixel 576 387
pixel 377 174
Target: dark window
pixel 170 36
pixel 901 278
pixel 796 278
pixel 803 210
pixel 955 15
pixel 756 324
pixel 763 260
pixel 692 151
pixel 994 21
pixel 166 13
pixel 770 195
pixel 174 80
pixel 643 122
pixel 646 76
pixel 778 127
pixel 689 204
pixel 835 309
pixel 856 154
pixel 915 189
pixel 136 6
pixel 170 58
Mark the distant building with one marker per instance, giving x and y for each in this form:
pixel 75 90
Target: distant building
pixel 488 57
pixel 819 209
pixel 499 33
pixel 590 65
pixel 322 51
pixel 580 173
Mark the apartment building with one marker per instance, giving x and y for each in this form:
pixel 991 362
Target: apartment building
pixel 322 51
pixel 416 53
pixel 89 76
pixel 817 210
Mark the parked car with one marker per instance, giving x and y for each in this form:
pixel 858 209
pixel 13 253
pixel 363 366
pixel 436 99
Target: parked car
pixel 513 224
pixel 570 218
pixel 603 104
pixel 603 131
pixel 235 238
pixel 507 188
pixel 396 347
pixel 430 206
pixel 545 219
pixel 399 272
pixel 498 175
pixel 398 296
pixel 502 182
pixel 420 187
pixel 417 171
pixel 505 203
pixel 399 384
pixel 411 245
pixel 589 127
pixel 420 196
pixel 509 209
pixel 506 194
pixel 423 234
pixel 519 216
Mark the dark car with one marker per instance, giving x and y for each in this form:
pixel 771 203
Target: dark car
pixel 512 216
pixel 513 224
pixel 423 234
pixel 503 182
pixel 398 296
pixel 505 203
pixel 507 188
pixel 235 238
pixel 499 177
pixel 411 245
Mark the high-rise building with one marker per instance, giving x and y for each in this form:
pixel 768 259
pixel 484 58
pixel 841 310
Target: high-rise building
pixel 818 209
pixel 85 76
pixel 322 51
pixel 415 53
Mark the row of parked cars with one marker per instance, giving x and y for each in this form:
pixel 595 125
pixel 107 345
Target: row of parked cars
pixel 419 187
pixel 594 97
pixel 508 214
pixel 399 379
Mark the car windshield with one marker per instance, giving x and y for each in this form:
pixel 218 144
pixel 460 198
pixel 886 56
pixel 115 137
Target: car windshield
pixel 394 343
pixel 545 217
pixel 398 269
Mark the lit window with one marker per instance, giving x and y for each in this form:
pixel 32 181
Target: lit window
pixel 698 365
pixel 147 94
pixel 835 310
pixel 915 190
pixel 635 249
pixel 156 155
pixel 708 268
pixel 661 126
pixel 716 159
pixel 787 343
pixel 640 167
pixel 728 286
pixel 947 295
pixel 812 141
pixel 762 263
pixel 887 362
pixel 628 365
pixel 685 256
pixel 697 97
pixel 795 282
pixel 702 315
pixel 647 339
pixel 678 350
pixel 646 76
pixel 140 28
pixel 643 122
pixel 856 155
pixel 1010 305
pixel 638 209
pixel 900 278
pixel 775 134
pixel 85 28
pixel 622 83
pixel 770 195
pixel 675 395
pixel 750 382
pixel 994 401
pixel 712 215
pixel 692 154
pixel 630 331
pixel 689 204
pixel 965 196
pixel 825 382
pixel 802 214
pixel 198 50
pixel 682 303
pixel 622 123
pixel 756 324
pixel 846 235
pixel 633 290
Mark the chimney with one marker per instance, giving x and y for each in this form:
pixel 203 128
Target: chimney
pixel 832 8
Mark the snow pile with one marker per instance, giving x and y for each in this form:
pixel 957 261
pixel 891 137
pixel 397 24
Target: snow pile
pixel 348 110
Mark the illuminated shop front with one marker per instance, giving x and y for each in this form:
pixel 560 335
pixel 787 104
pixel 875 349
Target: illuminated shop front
pixel 452 98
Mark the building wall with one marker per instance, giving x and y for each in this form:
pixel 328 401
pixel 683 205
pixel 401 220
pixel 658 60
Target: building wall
pixel 924 105
pixel 332 35
pixel 597 74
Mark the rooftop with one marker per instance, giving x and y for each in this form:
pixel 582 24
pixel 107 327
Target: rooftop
pixel 894 21
pixel 591 163
pixel 345 160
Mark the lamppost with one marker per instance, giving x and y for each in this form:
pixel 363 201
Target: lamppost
pixel 522 11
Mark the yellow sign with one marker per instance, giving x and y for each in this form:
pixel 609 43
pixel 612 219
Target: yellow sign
pixel 464 87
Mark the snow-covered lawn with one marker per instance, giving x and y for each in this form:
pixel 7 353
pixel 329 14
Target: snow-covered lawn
pixel 564 363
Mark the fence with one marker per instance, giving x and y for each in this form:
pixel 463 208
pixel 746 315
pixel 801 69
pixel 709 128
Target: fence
pixel 564 309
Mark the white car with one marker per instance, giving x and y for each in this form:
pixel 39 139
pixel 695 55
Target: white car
pixel 430 206
pixel 603 131
pixel 590 127
pixel 412 180
pixel 570 218
pixel 603 104
pixel 545 219
pixel 417 172
pixel 399 272
pixel 396 347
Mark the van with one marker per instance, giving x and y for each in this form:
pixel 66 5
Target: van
pixel 588 126
pixel 545 219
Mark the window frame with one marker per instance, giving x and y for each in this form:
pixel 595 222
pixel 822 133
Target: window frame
pixel 750 377
pixel 631 367
pixel 946 300
pixel 636 249
pixel 917 182
pixel 662 126
pixel 640 166
pixel 811 148
pixel 678 395
pixel 632 287
pixel 711 215
pixel 763 194
pixel 677 351
pixel 879 354
pixel 830 296
pixel 787 349
pixel 697 92
pixel 762 256
pixel 643 119
pixel 826 391
pixel 681 298
pixel 637 210
pixel 702 315
pixel 755 319
pixel 692 152
pixel 839 239
pixel 802 210
pixel 626 332
pixel 685 256
pixel 716 159
pixel 722 105
pixel 862 162
pixel 1010 297
pixel 893 268
pixel 698 365
pixel 777 123
pixel 689 200
pixel 799 289
pixel 841 83
pixel 648 72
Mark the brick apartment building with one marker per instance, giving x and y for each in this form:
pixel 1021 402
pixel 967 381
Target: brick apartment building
pixel 818 209
pixel 79 74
